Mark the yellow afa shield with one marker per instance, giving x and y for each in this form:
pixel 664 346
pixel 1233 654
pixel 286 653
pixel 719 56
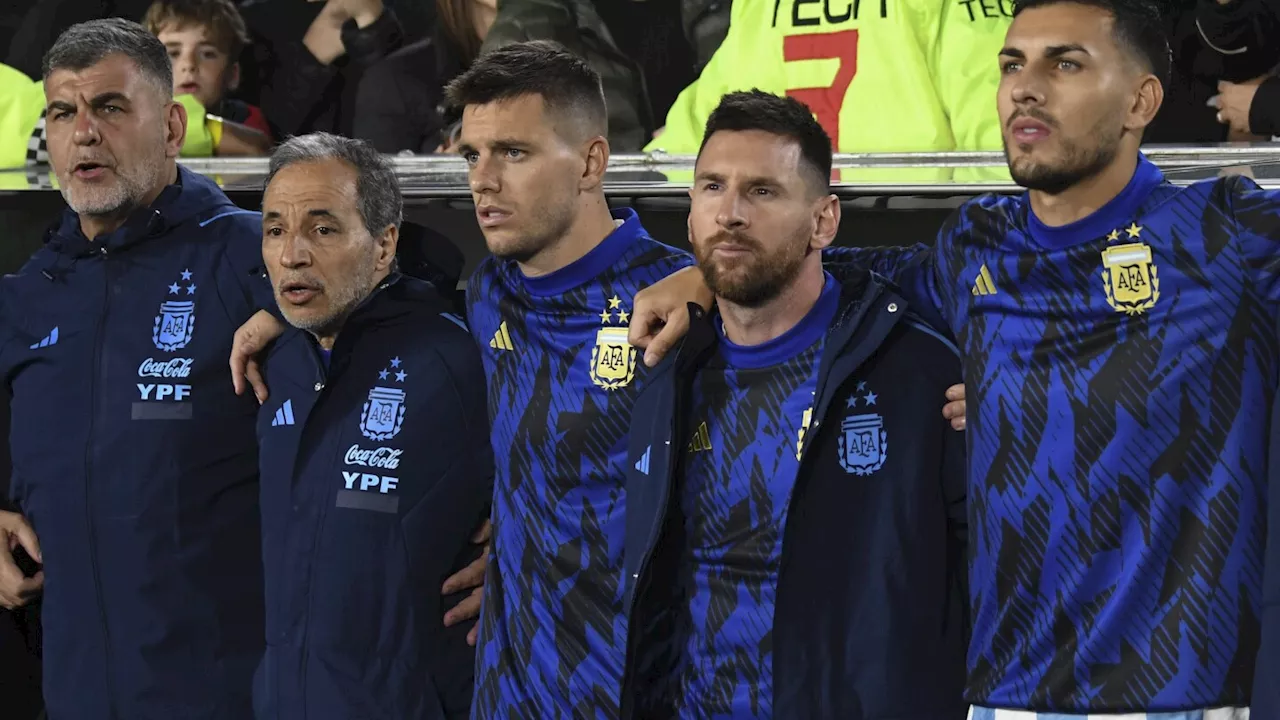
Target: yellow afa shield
pixel 613 359
pixel 1129 278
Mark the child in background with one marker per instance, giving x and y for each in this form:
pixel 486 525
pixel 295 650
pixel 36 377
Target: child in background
pixel 204 39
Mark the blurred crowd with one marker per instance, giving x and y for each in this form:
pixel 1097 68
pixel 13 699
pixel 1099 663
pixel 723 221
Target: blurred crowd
pixel 892 75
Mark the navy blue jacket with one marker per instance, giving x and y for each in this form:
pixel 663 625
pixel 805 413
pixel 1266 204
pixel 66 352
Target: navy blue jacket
pixel 871 617
pixel 136 462
pixel 376 471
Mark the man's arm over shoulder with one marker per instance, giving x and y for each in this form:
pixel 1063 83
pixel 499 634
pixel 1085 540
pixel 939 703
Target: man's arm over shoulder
pixel 911 270
pixel 1256 215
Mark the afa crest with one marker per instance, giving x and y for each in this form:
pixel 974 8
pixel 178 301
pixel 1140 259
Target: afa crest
pixel 174 325
pixel 1129 277
pixel 176 322
pixel 383 413
pixel 613 359
pixel 863 444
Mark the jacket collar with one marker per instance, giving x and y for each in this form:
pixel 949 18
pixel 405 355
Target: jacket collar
pixel 859 291
pixel 189 195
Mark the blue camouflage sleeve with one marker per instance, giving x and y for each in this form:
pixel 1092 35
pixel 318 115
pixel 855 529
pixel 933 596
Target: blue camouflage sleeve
pixel 912 270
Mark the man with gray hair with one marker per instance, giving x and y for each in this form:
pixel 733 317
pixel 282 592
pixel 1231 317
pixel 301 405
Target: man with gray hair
pixel 134 462
pixel 375 461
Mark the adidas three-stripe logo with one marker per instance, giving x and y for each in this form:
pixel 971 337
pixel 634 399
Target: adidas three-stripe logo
pixel 50 339
pixel 643 463
pixel 502 339
pixel 284 416
pixel 984 285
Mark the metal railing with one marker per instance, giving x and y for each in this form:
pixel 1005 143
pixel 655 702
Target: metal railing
pixel 659 174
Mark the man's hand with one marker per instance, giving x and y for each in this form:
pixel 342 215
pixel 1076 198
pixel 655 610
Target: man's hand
pixel 1233 102
pixel 16 589
pixel 324 37
pixel 954 410
pixel 660 316
pixel 249 340
pixel 471 576
pixel 364 12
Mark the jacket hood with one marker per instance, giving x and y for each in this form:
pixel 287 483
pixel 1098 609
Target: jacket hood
pixel 191 196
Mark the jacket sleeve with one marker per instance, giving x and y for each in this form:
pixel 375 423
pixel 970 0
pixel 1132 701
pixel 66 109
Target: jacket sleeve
pixel 298 82
pixel 461 480
pixel 1264 111
pixel 1243 33
pixel 955 491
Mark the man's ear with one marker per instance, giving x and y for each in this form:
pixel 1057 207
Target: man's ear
pixel 826 222
pixel 596 155
pixel 175 128
pixel 388 242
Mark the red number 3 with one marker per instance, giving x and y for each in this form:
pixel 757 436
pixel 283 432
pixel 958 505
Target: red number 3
pixel 825 102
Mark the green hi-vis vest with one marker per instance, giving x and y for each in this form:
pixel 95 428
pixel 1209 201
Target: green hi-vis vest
pixel 879 75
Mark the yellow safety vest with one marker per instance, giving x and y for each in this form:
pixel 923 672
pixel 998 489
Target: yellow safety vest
pixel 879 75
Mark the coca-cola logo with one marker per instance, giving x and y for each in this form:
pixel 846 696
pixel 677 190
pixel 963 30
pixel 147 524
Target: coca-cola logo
pixel 175 368
pixel 384 458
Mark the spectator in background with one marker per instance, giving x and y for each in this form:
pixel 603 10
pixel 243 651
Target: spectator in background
pixel 630 43
pixel 1246 35
pixel 310 85
pixel 917 75
pixel 204 39
pixel 400 104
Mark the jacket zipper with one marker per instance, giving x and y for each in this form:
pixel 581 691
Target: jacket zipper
pixel 88 472
pixel 642 572
pixel 322 380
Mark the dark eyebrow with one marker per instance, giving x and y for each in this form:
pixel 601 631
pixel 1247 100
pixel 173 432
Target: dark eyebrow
pixel 271 215
pixel 1054 51
pixel 322 213
pixel 1013 53
pixel 108 98
pixel 757 180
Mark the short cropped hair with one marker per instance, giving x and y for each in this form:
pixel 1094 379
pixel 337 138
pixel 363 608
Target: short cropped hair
pixel 776 115
pixel 565 82
pixel 1138 26
pixel 86 44
pixel 220 18
pixel 377 189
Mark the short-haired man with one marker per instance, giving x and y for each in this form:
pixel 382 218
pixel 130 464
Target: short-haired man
pixel 1119 337
pixel 550 308
pixel 133 460
pixel 796 504
pixel 375 460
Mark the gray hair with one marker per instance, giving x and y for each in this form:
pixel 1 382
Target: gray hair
pixel 88 43
pixel 377 189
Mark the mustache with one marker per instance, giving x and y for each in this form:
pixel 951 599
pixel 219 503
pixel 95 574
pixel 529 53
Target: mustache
pixel 729 237
pixel 1034 114
pixel 295 280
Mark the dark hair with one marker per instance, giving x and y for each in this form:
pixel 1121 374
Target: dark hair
pixel 88 43
pixel 1139 28
pixel 377 189
pixel 564 81
pixel 459 26
pixel 220 17
pixel 776 115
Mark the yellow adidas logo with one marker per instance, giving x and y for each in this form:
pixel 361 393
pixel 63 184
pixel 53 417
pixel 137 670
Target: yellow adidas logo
pixel 502 339
pixel 701 441
pixel 985 285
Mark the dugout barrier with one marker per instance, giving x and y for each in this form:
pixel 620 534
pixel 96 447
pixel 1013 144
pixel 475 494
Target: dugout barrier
pixel 887 198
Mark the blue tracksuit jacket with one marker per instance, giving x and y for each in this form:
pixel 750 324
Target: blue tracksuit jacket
pixel 135 461
pixel 376 470
pixel 871 620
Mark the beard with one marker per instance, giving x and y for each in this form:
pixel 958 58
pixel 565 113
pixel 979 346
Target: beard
pixel 342 299
pixel 548 225
pixel 756 279
pixel 1077 163
pixel 127 188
